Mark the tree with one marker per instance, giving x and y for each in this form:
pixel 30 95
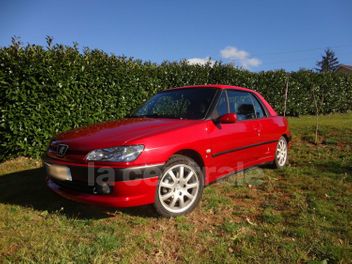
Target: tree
pixel 328 63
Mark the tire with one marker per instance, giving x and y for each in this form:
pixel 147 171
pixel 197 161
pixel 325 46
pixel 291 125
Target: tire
pixel 180 187
pixel 281 154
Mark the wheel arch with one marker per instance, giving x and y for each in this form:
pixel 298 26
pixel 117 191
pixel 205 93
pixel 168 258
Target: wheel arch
pixel 195 155
pixel 287 137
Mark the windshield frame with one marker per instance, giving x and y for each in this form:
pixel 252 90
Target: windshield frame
pixel 204 117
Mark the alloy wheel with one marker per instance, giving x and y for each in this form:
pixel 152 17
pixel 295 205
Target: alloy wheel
pixel 281 152
pixel 178 188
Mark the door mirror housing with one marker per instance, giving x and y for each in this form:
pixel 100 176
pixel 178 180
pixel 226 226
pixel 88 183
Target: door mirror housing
pixel 229 118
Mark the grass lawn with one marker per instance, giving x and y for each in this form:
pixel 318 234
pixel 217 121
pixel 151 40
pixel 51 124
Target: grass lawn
pixel 302 214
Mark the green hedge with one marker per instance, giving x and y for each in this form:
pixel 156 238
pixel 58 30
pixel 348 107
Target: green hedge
pixel 52 89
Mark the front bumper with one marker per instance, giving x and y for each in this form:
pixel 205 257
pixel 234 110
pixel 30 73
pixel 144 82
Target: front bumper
pixel 133 186
pixel 142 193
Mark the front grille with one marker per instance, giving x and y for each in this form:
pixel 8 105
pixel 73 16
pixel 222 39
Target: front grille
pixel 83 187
pixel 77 186
pixel 70 151
pixel 53 148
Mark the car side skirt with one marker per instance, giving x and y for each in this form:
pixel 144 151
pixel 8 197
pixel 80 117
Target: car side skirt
pixel 242 148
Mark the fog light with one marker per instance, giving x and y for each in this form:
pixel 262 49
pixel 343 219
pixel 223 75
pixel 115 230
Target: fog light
pixel 102 188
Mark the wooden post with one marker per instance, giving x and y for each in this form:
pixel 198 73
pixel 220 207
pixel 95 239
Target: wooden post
pixel 286 93
pixel 316 104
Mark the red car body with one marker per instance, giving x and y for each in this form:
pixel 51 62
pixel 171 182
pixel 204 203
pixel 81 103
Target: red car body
pixel 219 150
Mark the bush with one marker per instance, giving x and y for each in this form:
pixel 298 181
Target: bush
pixel 52 89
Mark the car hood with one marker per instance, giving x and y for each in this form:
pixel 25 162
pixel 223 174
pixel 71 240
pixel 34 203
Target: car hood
pixel 119 132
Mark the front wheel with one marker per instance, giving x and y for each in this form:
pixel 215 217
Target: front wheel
pixel 180 187
pixel 281 153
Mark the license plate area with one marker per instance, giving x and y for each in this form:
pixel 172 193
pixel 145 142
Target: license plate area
pixel 59 172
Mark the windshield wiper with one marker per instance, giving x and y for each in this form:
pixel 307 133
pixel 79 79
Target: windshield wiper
pixel 153 116
pixel 146 115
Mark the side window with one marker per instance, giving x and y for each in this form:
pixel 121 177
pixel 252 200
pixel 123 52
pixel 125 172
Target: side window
pixel 221 107
pixel 259 111
pixel 241 103
pixel 232 101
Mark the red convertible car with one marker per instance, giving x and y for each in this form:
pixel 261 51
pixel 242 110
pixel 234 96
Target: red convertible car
pixel 179 141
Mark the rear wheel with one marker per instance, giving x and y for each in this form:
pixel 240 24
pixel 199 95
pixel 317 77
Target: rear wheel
pixel 281 153
pixel 180 187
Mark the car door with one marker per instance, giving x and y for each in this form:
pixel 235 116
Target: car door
pixel 244 105
pixel 270 130
pixel 265 130
pixel 230 142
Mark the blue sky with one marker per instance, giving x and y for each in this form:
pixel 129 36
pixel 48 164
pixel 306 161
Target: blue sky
pixel 258 35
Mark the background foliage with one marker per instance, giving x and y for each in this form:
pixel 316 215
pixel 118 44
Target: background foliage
pixel 56 88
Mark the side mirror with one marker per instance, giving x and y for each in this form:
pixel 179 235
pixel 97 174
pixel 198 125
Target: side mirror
pixel 229 118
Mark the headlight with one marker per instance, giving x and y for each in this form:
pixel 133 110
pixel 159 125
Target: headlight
pixel 122 154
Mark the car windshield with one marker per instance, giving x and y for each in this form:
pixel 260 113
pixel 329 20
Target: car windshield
pixel 187 103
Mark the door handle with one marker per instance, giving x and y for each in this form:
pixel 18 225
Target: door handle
pixel 258 130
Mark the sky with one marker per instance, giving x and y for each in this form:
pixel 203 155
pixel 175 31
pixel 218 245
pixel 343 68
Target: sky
pixel 256 35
